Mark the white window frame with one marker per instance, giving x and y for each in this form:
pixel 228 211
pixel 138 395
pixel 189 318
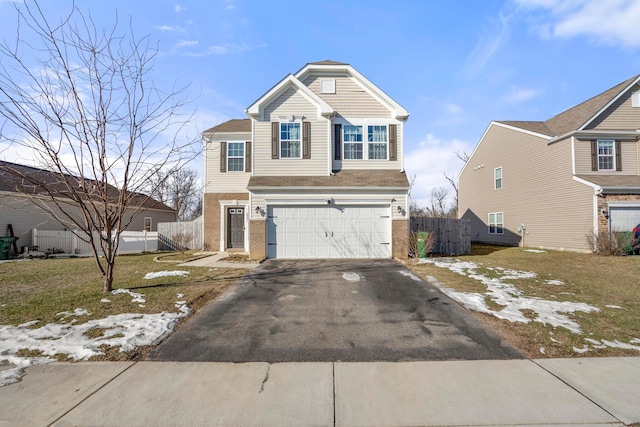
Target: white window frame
pixel 229 156
pixel 345 142
pixel 497 181
pixel 602 156
pixel 148 227
pixel 280 140
pixel 365 140
pixel 498 226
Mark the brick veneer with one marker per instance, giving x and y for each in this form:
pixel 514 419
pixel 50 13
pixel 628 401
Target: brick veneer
pixel 400 238
pixel 257 239
pixel 211 212
pixel 603 199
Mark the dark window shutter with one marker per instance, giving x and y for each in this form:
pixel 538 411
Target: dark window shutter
pixel 247 156
pixel 306 140
pixel 275 130
pixel 393 142
pixel 618 156
pixel 223 157
pixel 594 155
pixel 337 138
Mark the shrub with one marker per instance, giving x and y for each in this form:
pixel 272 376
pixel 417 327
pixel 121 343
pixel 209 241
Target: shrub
pixel 610 243
pixel 182 239
pixel 415 243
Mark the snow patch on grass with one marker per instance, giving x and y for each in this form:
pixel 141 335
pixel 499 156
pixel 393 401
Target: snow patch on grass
pixel 507 295
pixel 126 331
pixel 165 273
pixel 139 298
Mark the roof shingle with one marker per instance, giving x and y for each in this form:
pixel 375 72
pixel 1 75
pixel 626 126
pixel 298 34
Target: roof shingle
pixel 342 179
pixel 233 125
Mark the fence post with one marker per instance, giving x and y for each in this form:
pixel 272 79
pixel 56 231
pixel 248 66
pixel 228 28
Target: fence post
pixel 34 237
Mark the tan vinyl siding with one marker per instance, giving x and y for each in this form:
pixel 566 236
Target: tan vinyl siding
pixel 538 190
pixel 350 99
pixel 374 164
pixel 629 158
pixel 291 103
pixel 223 182
pixel 620 115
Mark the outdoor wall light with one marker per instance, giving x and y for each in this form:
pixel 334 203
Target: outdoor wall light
pixel 258 209
pixel 399 208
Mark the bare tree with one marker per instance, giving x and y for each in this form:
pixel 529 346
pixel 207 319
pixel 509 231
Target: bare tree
pixel 179 189
pixel 438 207
pixel 454 185
pixel 86 109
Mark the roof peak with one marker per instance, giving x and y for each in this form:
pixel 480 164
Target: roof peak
pixel 328 62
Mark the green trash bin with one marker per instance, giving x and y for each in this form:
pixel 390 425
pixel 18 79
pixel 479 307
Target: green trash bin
pixel 423 236
pixel 5 246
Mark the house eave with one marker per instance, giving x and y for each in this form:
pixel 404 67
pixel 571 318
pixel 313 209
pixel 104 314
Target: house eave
pixel 323 188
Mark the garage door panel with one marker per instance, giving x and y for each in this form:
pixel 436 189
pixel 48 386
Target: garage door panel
pixel 624 218
pixel 328 232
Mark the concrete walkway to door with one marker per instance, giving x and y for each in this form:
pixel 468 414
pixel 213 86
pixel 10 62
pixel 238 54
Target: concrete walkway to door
pixel 332 310
pixel 217 260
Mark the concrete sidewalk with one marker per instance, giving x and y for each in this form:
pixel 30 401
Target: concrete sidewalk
pixel 585 391
pixel 217 260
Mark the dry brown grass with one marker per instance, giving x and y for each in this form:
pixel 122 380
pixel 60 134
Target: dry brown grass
pixel 591 279
pixel 39 289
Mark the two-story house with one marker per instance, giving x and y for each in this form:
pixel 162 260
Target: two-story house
pixel 315 171
pixel 551 183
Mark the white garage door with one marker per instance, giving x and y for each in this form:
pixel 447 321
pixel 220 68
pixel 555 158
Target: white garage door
pixel 328 232
pixel 624 218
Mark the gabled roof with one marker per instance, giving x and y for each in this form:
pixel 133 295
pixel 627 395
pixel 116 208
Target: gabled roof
pixel 328 62
pixel 578 117
pixel 343 179
pixel 233 125
pixel 537 127
pixel 397 111
pixel 257 108
pixel 22 179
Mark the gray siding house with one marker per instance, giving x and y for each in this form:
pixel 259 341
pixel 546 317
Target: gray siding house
pixel 314 171
pixel 28 211
pixel 550 183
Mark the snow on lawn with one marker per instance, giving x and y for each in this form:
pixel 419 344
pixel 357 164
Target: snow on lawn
pixel 165 273
pixel 595 344
pixel 124 330
pixel 508 296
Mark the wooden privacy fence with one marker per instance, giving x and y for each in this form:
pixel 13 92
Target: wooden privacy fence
pixel 166 231
pixel 58 241
pixel 454 235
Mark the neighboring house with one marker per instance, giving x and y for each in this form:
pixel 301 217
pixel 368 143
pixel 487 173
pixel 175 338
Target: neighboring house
pixel 550 184
pixel 35 210
pixel 316 171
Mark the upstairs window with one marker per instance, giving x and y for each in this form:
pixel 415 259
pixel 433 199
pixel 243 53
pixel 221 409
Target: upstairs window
pixel 377 142
pixel 496 223
pixel 147 223
pixel 606 154
pixel 235 156
pixel 353 142
pixel 497 178
pixel 290 142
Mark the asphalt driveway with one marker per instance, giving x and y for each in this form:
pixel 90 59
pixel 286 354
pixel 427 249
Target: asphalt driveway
pixel 332 310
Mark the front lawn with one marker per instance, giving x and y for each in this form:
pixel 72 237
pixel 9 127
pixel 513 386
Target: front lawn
pixel 575 304
pixel 69 291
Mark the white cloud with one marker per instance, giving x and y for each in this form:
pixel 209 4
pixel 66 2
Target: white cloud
pixel 230 4
pixel 488 44
pixel 185 43
pixel 177 8
pixel 430 162
pixel 452 108
pixel 520 94
pixel 611 22
pixel 168 28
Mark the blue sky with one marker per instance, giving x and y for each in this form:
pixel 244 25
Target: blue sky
pixel 455 65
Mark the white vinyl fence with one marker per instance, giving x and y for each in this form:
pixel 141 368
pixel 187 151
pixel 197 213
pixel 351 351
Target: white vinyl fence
pixel 167 231
pixel 53 242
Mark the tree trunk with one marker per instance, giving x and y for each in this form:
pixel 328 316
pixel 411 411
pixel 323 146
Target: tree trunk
pixel 107 286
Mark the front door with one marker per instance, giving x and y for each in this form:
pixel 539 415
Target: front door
pixel 235 228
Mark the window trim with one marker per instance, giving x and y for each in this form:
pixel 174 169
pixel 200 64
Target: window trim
pixel 243 157
pixel 498 226
pixel 496 179
pixel 365 140
pixel 300 149
pixel 612 155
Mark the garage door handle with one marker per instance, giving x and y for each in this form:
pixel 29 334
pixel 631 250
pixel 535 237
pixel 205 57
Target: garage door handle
pixel 332 234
